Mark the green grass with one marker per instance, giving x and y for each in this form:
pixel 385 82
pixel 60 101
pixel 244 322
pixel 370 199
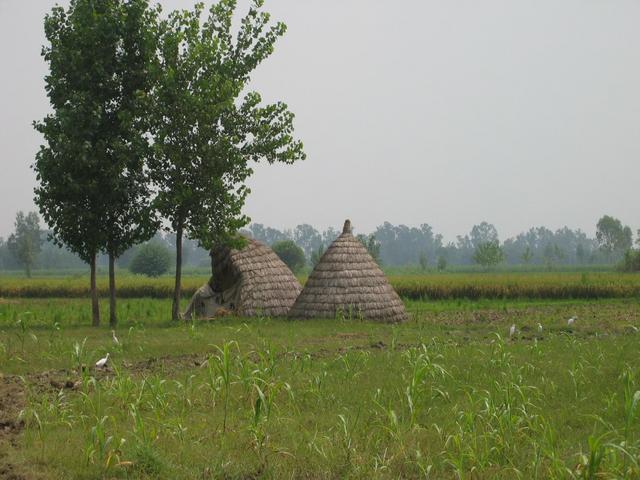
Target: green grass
pixel 445 395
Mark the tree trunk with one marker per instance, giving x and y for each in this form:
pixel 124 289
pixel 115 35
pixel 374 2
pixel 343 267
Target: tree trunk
pixel 95 305
pixel 113 320
pixel 175 309
pixel 28 268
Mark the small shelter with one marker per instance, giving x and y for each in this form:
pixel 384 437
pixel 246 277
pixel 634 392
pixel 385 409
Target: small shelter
pixel 248 282
pixel 348 281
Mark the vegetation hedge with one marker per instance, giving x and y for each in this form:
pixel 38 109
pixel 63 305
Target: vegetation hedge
pixel 128 286
pixel 517 286
pixel 429 286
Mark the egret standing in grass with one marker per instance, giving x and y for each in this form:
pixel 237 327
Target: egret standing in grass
pixel 102 362
pixel 512 330
pixel 539 327
pixel 115 339
pixel 571 321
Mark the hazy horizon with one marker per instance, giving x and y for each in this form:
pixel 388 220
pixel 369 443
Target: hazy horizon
pixel 521 114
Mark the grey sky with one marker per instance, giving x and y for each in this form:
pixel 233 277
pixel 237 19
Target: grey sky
pixel 451 112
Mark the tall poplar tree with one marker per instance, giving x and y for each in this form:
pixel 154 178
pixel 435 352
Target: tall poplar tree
pixel 207 128
pixel 92 185
pixel 129 218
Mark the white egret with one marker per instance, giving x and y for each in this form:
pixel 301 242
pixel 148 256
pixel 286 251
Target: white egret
pixel 102 362
pixel 512 330
pixel 540 327
pixel 571 321
pixel 115 339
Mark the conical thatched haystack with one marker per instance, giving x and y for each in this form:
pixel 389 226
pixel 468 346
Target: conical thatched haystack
pixel 348 280
pixel 248 282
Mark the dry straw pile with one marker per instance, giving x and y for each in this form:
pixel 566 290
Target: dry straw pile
pixel 260 283
pixel 347 281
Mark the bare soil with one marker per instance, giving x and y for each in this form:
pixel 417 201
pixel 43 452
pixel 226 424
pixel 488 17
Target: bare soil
pixel 12 401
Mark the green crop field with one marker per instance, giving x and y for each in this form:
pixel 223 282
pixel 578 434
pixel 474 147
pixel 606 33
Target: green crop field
pixel 431 286
pixel 447 394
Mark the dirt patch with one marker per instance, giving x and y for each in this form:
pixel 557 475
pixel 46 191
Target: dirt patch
pixel 8 472
pixel 352 335
pixel 166 364
pixel 12 401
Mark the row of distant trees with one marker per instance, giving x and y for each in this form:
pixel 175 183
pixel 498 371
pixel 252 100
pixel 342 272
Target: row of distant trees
pixel 28 247
pixel 151 127
pixel 400 245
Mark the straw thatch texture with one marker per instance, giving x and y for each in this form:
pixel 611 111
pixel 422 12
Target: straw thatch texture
pixel 251 281
pixel 348 280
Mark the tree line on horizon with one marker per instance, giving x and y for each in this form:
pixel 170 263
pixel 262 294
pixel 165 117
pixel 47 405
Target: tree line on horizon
pixel 402 245
pixel 391 245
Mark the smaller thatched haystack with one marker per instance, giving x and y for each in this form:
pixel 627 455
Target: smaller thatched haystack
pixel 347 280
pixel 248 282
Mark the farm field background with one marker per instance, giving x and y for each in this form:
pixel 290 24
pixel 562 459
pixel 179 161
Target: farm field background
pixel 445 395
pixel 430 286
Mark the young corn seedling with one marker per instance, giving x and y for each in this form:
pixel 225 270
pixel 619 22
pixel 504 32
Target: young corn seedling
pixel 423 372
pixel 23 329
pixel 78 355
pixel 32 419
pixel 103 449
pixel 223 363
pixel 588 467
pixel 631 401
pixel 346 438
pixel 262 407
pixel 145 435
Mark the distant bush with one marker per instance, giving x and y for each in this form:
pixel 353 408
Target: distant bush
pixel 291 254
pixel 151 259
pixel 631 261
pixel 442 263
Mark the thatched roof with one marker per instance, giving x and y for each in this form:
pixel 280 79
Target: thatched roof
pixel 348 280
pixel 261 282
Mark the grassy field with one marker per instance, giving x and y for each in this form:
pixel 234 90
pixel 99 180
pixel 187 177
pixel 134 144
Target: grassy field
pixel 446 395
pixel 431 286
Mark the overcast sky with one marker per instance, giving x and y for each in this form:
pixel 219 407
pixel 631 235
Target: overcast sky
pixel 445 112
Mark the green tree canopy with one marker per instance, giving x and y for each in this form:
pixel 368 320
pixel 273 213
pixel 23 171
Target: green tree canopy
pixel 291 254
pixel 613 237
pixel 25 243
pixel 527 255
pixel 483 233
pixel 151 259
pixel 207 128
pixel 442 263
pixel 372 246
pixel 93 190
pixel 488 254
pixel 423 260
pixel 316 255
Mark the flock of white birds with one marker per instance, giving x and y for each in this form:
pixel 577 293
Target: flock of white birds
pixel 513 329
pixel 102 363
